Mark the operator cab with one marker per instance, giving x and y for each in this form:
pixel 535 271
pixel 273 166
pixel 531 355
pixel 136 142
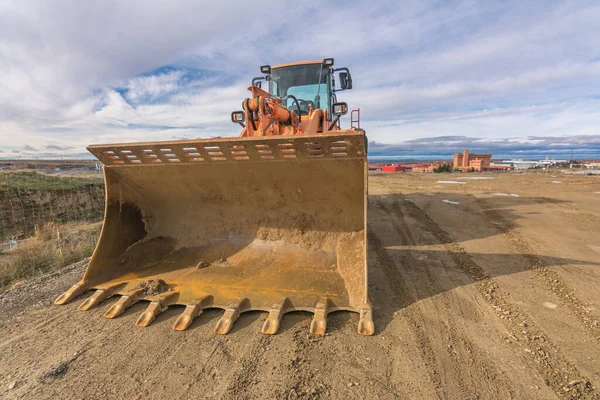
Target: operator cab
pixel 304 84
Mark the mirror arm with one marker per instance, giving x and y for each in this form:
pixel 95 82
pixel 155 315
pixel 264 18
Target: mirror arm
pixel 337 118
pixel 258 79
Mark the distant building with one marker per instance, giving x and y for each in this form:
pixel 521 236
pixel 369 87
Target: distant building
pixel 468 162
pixel 528 164
pixel 592 165
pixel 388 167
pixel 427 167
pixel 421 168
pixel 393 168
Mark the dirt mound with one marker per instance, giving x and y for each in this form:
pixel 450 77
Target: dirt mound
pixel 153 287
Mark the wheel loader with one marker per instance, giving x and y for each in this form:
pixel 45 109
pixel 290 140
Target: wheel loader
pixel 273 220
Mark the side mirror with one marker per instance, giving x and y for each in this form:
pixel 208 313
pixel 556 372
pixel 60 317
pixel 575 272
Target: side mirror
pixel 345 80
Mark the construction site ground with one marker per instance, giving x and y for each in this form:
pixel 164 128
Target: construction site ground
pixel 489 288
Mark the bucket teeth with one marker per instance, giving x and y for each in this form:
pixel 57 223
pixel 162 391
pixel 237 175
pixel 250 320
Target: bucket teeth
pixel 225 324
pixel 92 301
pixel 187 317
pixel 318 325
pixel 123 304
pixel 70 294
pixel 148 316
pixel 99 296
pixel 365 323
pixel 271 325
pixel 119 307
pixel 191 311
pixel 232 313
pixel 158 304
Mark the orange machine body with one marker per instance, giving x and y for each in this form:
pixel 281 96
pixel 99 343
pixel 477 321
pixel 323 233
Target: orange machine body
pixel 273 220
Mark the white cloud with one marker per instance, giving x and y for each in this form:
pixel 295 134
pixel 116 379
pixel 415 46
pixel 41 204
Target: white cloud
pixel 151 87
pixel 73 73
pixel 560 120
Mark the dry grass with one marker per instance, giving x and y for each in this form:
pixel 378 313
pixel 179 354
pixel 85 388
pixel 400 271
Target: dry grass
pixel 29 198
pixel 31 180
pixel 52 247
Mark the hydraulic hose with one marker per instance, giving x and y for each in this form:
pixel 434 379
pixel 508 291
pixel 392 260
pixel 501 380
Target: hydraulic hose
pixel 289 96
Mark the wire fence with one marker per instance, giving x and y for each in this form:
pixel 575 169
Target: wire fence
pixel 33 197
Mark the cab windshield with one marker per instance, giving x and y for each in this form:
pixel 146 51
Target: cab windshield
pixel 302 82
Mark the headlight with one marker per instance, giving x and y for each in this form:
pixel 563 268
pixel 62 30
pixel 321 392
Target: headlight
pixel 340 109
pixel 238 117
pixel 328 62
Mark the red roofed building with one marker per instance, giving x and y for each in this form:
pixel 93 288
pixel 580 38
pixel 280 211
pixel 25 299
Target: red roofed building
pixel 393 168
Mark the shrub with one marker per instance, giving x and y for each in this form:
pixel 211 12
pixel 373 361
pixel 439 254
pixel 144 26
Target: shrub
pixel 52 247
pixel 443 168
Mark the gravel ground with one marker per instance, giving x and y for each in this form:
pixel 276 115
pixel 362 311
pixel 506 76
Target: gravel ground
pixel 490 294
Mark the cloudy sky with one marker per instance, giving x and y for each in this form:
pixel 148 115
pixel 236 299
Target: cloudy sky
pixel 511 77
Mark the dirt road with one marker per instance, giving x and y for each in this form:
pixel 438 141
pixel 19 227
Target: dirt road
pixel 484 289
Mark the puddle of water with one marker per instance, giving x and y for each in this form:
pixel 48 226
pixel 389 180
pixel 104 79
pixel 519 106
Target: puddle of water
pixel 452 182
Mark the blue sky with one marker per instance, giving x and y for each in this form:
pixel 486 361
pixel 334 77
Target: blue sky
pixel 431 77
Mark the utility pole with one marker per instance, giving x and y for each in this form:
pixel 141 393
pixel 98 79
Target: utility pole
pixel 571 160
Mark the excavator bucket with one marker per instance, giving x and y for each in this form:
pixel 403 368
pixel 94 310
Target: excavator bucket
pixel 274 223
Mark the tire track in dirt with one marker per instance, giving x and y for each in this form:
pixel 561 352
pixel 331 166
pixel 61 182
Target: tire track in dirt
pixel 103 340
pixel 205 370
pixel 164 365
pixel 553 280
pixel 224 370
pixel 48 322
pixel 467 363
pixel 445 378
pixel 388 290
pixel 305 383
pixel 562 376
pixel 402 299
pixel 62 314
pixel 242 381
pixel 41 388
pixel 222 355
pixel 103 343
pixel 577 212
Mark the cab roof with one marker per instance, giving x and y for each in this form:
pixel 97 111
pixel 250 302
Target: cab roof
pixel 297 63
